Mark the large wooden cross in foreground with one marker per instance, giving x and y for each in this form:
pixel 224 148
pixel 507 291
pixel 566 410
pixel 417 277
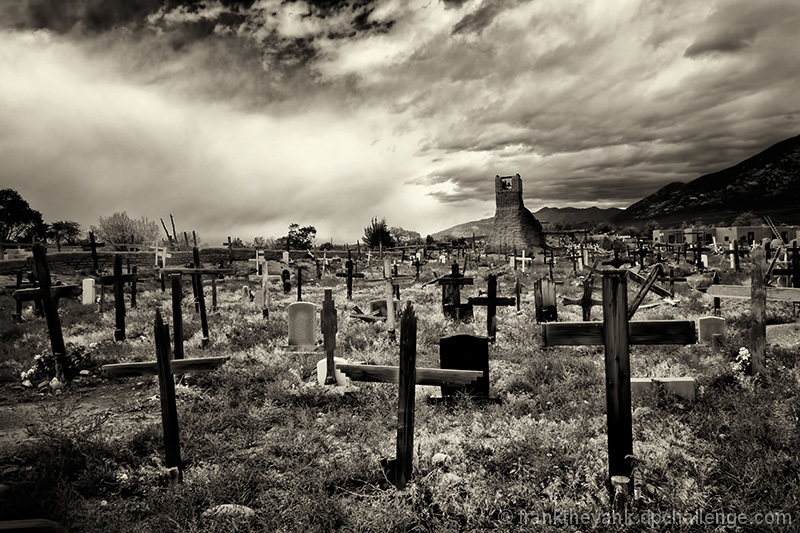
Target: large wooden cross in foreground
pixel 48 296
pixel 165 368
pixel 616 333
pixel 407 375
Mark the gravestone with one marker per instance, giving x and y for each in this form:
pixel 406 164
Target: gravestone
pixel 245 293
pixel 285 257
pixel 88 294
pixel 466 352
pixel 258 298
pixel 302 323
pixel 708 326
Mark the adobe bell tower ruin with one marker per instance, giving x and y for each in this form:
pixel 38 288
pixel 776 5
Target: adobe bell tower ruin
pixel 514 226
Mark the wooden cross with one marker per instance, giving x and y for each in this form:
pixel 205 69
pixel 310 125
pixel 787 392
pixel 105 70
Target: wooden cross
pixel 641 252
pixel 407 375
pixel 349 275
pixel 672 279
pixel 585 301
pixel 616 333
pixel 696 250
pixel 93 246
pixel 451 294
pixel 389 282
pixel 648 284
pixel 491 301
pixel 300 269
pixel 258 261
pixel 196 273
pixel 229 244
pixel 117 280
pixel 49 296
pixel 617 261
pixel 793 269
pixel 759 294
pixel 165 368
pixel 735 253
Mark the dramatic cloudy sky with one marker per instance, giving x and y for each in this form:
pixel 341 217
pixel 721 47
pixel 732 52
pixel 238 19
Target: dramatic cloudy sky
pixel 240 117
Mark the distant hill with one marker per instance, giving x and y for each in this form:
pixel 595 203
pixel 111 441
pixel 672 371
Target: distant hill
pixel 767 183
pixel 574 215
pixel 545 215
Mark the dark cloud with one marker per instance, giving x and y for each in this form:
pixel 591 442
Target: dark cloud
pixel 483 16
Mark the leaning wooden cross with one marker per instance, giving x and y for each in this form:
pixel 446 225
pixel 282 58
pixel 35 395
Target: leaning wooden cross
pixel 48 296
pixel 491 301
pixel 118 280
pixel 389 281
pixel 407 376
pixel 165 368
pixel 617 334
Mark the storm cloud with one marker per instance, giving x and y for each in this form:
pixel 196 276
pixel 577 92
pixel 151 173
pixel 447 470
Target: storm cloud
pixel 241 117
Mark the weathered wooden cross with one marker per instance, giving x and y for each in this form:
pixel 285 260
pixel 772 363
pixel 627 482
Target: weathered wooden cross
pixel 758 293
pixel 165 369
pixel 491 301
pixel 48 296
pixel 117 280
pixel 793 269
pixel 196 273
pixel 735 253
pixel 407 376
pixel 585 301
pixel 617 333
pixel 349 275
pixel 672 279
pixel 451 294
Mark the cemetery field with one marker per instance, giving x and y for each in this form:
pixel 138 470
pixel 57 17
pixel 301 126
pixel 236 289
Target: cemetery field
pixel 260 432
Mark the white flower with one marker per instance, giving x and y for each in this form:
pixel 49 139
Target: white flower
pixel 37 357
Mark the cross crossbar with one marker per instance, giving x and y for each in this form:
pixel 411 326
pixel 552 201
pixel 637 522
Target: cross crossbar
pixel 424 376
pixel 178 366
pixel 645 332
pixel 783 294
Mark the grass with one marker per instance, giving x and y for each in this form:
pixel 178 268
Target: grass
pixel 257 433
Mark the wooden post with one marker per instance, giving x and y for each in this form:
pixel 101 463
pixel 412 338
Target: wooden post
pixel 759 302
pixel 406 392
pixel 201 301
pixel 618 375
pixel 491 301
pixel 133 287
pixel 17 315
pixel 517 292
pixel 119 300
pixel 349 266
pixel 93 244
pixel 396 287
pixel 174 233
pixel 329 328
pixel 42 272
pixel 299 283
pixel 213 294
pixel 177 314
pixel 715 281
pixel 166 386
pixel 390 311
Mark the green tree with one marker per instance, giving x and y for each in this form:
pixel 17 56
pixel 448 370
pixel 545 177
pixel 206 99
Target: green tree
pixel 377 234
pixel 17 219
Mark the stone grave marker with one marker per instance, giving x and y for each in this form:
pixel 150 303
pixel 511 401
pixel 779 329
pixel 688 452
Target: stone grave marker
pixel 302 324
pixel 88 296
pixel 465 352
pixel 708 327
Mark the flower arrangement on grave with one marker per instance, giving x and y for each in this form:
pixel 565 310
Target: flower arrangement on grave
pixel 742 365
pixel 44 365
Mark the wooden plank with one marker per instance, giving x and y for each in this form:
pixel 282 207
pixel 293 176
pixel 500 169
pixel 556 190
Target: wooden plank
pixel 424 376
pixel 119 300
pixel 655 332
pixel 329 328
pixel 405 397
pixel 618 376
pixel 646 286
pixel 189 270
pixel 57 292
pixel 42 272
pixel 655 288
pixel 166 386
pixel 759 296
pixel 782 294
pixel 178 366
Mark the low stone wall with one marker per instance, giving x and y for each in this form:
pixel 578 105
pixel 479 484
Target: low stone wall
pixel 69 263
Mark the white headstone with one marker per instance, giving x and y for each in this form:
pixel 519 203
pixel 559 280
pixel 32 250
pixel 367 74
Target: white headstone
pixel 302 323
pixel 704 260
pixel 88 295
pixel 512 261
pixel 730 256
pixel 708 326
pixel 322 372
pixel 259 298
pixel 285 257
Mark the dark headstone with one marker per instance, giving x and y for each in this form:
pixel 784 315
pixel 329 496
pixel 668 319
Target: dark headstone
pixel 466 352
pixel 287 285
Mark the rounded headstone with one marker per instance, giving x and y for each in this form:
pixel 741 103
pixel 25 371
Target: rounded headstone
pixel 302 323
